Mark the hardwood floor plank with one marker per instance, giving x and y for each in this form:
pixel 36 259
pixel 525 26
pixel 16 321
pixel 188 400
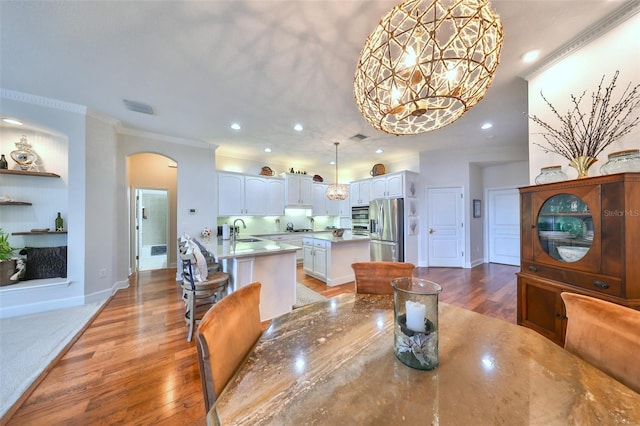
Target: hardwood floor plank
pixel 133 365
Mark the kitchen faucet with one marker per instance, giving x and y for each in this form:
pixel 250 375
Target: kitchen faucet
pixel 233 236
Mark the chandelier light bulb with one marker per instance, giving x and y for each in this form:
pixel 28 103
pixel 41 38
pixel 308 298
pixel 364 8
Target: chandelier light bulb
pixel 427 63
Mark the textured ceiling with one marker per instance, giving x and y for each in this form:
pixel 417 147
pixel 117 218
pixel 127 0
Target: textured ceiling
pixel 266 64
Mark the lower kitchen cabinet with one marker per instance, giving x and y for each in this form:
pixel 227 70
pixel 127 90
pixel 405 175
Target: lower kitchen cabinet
pixel 315 258
pixel 329 259
pixel 293 239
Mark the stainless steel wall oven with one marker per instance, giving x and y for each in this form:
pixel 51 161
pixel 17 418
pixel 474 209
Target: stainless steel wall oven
pixel 360 220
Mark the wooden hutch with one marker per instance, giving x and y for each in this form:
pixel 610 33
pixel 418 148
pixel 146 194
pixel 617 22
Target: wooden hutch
pixel 580 236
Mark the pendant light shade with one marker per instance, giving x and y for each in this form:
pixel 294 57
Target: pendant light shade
pixel 427 63
pixel 337 191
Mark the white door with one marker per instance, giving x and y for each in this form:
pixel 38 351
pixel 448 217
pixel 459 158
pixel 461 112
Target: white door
pixel 504 226
pixel 445 236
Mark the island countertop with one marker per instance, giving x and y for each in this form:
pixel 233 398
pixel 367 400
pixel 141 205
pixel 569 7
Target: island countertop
pixel 346 238
pixel 225 249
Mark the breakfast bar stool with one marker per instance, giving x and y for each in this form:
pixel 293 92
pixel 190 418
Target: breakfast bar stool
pixel 200 295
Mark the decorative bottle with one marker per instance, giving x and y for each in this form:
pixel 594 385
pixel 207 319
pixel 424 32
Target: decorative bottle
pixel 59 223
pixel 3 162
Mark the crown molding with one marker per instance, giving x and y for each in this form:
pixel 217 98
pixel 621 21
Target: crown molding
pixel 606 24
pixel 42 101
pixel 164 138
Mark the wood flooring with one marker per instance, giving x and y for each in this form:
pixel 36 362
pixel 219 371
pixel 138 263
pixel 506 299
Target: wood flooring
pixel 133 365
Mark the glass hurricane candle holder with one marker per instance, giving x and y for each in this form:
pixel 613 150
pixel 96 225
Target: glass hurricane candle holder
pixel 416 322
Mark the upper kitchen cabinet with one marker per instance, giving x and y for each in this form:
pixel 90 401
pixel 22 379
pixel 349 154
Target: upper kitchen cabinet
pixel 240 194
pixel 360 193
pixel 276 196
pixel 322 206
pixel 298 190
pixel 395 185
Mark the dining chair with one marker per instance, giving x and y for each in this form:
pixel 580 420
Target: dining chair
pixel 375 277
pixel 225 337
pixel 199 295
pixel 606 335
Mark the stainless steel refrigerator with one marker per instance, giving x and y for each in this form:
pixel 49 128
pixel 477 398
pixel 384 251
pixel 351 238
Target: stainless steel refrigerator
pixel 386 218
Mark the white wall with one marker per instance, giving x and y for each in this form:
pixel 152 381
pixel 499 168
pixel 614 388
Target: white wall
pixel 581 71
pixel 101 242
pixel 68 120
pixel 453 168
pixel 474 245
pixel 197 185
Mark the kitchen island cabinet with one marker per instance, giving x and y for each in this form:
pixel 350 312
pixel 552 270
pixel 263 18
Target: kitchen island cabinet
pixel 329 258
pixel 269 262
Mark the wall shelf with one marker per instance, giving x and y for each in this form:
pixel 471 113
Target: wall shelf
pixel 39 233
pixel 14 203
pixel 28 173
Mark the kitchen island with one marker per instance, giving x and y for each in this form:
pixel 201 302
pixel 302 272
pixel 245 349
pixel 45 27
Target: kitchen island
pixel 270 262
pixel 329 258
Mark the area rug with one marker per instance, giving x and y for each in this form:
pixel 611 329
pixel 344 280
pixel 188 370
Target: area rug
pixel 306 296
pixel 29 343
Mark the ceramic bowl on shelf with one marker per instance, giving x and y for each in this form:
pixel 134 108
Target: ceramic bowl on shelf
pixel 572 253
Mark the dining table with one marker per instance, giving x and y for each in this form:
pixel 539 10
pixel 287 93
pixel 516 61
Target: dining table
pixel 333 363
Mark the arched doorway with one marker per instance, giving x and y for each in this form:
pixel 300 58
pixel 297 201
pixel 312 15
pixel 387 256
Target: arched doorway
pixel 152 181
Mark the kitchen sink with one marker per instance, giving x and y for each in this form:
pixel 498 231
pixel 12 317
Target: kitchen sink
pixel 248 240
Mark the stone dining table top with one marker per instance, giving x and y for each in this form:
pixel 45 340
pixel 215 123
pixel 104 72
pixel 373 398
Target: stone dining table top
pixel 333 363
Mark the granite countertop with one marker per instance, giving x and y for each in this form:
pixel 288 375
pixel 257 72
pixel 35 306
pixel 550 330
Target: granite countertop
pixel 224 249
pixel 333 363
pixel 346 238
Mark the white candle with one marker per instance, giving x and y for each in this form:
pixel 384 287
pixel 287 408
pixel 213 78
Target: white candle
pixel 416 313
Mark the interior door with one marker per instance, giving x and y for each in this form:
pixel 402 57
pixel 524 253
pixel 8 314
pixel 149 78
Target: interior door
pixel 445 236
pixel 503 212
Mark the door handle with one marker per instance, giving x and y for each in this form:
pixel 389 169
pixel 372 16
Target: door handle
pixel 431 230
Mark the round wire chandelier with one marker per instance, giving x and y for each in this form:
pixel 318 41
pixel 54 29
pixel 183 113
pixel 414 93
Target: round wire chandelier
pixel 337 191
pixel 427 63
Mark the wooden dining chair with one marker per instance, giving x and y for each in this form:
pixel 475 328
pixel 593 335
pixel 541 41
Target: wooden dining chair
pixel 606 335
pixel 225 337
pixel 375 277
pixel 200 295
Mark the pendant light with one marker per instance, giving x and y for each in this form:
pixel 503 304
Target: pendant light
pixel 337 191
pixel 427 63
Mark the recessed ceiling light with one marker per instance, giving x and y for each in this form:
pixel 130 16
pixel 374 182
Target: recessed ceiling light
pixel 235 126
pixel 267 149
pixel 486 126
pixel 530 56
pixel 332 162
pixel 379 151
pixel 298 127
pixel 12 121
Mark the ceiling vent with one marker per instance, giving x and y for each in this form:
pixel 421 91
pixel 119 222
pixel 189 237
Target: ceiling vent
pixel 358 137
pixel 138 107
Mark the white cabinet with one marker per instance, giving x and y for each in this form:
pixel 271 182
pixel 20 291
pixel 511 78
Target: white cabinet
pixel 315 257
pixel 322 206
pixel 395 185
pixel 388 186
pixel 275 190
pixel 298 190
pixel 292 239
pixel 330 260
pixel 345 207
pixel 240 194
pixel 360 192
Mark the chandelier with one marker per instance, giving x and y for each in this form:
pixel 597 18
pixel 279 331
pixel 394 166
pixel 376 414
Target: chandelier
pixel 427 63
pixel 337 191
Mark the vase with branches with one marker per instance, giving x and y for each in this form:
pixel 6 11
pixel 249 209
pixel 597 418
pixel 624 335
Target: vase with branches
pixel 582 136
